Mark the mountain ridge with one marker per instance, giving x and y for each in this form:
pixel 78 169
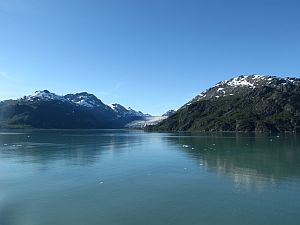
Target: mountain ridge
pixel 44 109
pixel 245 103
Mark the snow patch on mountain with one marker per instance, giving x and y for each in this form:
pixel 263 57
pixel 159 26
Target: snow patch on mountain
pixel 114 106
pixel 44 95
pixel 243 83
pixel 85 99
pixel 125 112
pixel 240 81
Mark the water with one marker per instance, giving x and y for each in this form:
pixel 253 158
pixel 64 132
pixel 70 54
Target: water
pixel 136 178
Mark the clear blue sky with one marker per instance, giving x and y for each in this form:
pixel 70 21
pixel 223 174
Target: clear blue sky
pixel 152 55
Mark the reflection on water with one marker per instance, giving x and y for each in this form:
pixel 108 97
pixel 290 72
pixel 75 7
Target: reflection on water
pixel 251 161
pixel 75 146
pixel 133 177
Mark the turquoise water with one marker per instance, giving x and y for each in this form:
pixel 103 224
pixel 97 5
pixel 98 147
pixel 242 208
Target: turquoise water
pixel 119 177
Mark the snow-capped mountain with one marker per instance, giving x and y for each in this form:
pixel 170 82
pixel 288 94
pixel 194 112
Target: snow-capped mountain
pixel 44 109
pixel 245 84
pixel 44 95
pixel 121 111
pixel 169 113
pixel 85 99
pixel 244 103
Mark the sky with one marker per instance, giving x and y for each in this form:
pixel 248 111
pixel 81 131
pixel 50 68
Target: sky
pixel 151 55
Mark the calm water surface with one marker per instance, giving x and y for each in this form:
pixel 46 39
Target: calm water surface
pixel 118 177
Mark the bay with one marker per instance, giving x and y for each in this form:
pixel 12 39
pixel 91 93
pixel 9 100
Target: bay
pixel 120 177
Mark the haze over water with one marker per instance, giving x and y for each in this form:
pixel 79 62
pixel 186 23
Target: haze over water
pixel 120 177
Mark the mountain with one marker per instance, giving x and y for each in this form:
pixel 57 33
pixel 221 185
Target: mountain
pixel 85 99
pixel 169 113
pixel 125 113
pixel 44 109
pixel 245 103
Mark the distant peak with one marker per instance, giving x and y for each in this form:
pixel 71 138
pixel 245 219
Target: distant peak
pixel 169 113
pixel 123 112
pixel 41 92
pixel 84 94
pixel 43 95
pixel 85 99
pixel 81 94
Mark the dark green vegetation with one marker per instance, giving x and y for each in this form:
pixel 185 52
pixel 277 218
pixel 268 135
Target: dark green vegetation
pixel 54 114
pixel 49 111
pixel 246 103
